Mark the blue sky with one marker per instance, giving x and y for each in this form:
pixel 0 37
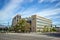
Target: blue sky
pixel 45 8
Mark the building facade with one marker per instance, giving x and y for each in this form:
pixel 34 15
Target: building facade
pixel 36 22
pixel 16 19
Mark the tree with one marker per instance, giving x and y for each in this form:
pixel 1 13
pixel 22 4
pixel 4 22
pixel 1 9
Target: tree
pixel 11 29
pixel 27 27
pixel 53 29
pixel 45 29
pixel 22 26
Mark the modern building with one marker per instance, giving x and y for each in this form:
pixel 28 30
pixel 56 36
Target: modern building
pixel 36 22
pixel 16 19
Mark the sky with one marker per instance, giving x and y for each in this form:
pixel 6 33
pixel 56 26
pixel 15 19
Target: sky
pixel 46 8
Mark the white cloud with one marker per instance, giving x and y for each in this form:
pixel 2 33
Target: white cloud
pixel 54 17
pixel 53 0
pixel 30 0
pixel 57 17
pixel 40 1
pixel 29 11
pixel 7 12
pixel 56 22
pixel 49 12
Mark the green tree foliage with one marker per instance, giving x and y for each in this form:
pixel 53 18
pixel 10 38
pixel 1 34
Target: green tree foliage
pixel 27 27
pixel 49 29
pixel 22 26
pixel 53 29
pixel 45 29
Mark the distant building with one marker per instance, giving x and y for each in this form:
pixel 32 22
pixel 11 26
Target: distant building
pixel 16 19
pixel 36 22
pixel 57 29
pixel 3 28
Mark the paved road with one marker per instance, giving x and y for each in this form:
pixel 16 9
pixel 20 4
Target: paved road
pixel 24 36
pixel 56 34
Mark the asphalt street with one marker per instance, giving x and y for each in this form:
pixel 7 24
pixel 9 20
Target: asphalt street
pixel 25 36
